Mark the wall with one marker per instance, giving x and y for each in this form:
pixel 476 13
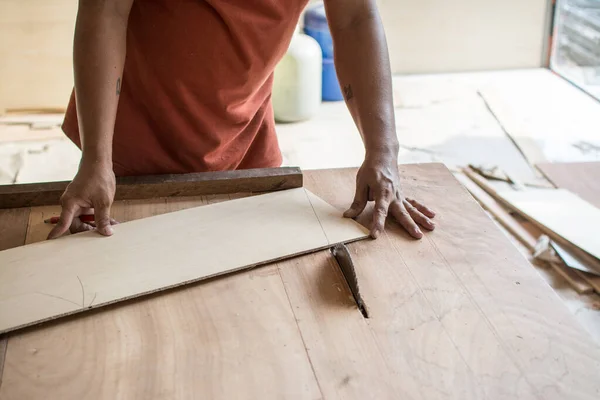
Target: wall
pixel 424 36
pixel 36 40
pixel 464 35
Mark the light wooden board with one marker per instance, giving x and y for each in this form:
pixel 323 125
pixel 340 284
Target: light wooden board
pixel 562 212
pixel 582 178
pixel 161 252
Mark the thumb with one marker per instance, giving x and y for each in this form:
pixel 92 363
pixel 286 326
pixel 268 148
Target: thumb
pixel 359 203
pixel 102 217
pixel 66 219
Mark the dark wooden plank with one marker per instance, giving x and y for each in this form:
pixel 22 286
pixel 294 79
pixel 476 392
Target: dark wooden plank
pixel 13 227
pixel 173 185
pixel 13 230
pixel 582 178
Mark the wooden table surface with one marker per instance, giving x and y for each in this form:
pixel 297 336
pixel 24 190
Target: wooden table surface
pixel 459 314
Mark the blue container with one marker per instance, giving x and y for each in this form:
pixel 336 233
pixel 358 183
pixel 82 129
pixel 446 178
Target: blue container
pixel 315 25
pixel 331 86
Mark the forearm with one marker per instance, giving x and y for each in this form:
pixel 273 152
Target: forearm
pixel 98 58
pixel 363 69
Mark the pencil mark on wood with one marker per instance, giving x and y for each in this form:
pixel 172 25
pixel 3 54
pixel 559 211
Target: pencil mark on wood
pixel 82 293
pixel 317 217
pixel 58 297
pixel 92 302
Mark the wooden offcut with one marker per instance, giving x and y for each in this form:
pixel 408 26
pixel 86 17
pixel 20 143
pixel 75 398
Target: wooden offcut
pixel 581 178
pixel 55 278
pixel 561 212
pixel 171 185
pixel 574 278
pixel 583 256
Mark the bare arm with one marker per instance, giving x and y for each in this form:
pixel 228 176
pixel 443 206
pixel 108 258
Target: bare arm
pixel 363 68
pixel 98 59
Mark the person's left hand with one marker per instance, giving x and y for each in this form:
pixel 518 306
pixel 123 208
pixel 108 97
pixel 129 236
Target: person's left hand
pixel 377 180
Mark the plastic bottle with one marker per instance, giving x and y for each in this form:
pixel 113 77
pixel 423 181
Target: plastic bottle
pixel 315 25
pixel 297 81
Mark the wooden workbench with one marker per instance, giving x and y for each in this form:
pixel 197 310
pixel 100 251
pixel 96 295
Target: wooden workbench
pixel 459 314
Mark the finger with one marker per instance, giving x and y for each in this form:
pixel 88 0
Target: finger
pixel 67 214
pixel 418 217
pixel 359 203
pixel 423 209
pixel 382 205
pixel 112 222
pixel 78 226
pixel 403 217
pixel 102 219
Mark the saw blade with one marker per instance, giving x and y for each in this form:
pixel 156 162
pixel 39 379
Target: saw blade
pixel 342 255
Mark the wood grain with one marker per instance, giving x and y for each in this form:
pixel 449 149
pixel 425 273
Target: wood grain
pixel 148 187
pixel 491 205
pixel 585 308
pixel 177 342
pixel 345 357
pixel 163 252
pixel 581 178
pixel 457 315
pixel 460 313
pixel 13 227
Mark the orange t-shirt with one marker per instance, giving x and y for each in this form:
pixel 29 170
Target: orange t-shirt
pixel 196 87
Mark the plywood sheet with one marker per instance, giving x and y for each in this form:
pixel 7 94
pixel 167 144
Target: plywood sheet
pixel 562 212
pixel 72 274
pixel 582 178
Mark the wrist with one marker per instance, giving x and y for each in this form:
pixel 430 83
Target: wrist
pixel 96 156
pixel 388 152
pixel 93 160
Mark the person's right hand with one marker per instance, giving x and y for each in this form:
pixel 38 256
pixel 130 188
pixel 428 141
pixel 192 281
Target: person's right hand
pixel 92 191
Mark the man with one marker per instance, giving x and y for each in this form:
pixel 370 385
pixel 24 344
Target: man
pixel 175 86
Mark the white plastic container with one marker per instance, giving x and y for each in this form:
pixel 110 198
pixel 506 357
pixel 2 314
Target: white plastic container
pixel 297 80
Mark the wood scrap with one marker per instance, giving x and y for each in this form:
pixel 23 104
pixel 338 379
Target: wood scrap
pixel 498 212
pixel 497 174
pixel 577 282
pixel 162 252
pixel 544 252
pixel 562 213
pixel 581 178
pixel 589 260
